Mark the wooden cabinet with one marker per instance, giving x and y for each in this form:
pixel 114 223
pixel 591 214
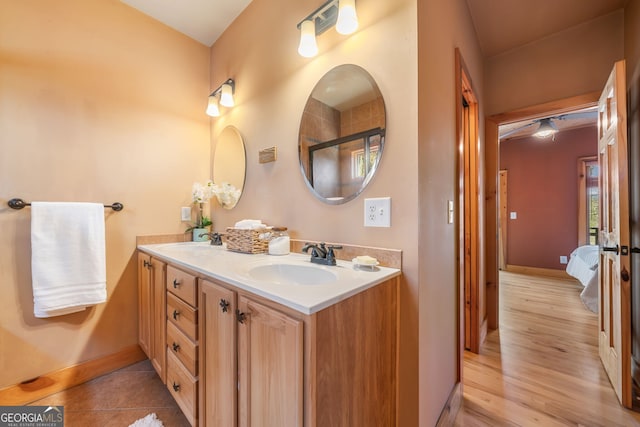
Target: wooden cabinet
pixel 251 359
pixel 218 377
pixel 234 358
pixel 270 354
pixel 152 311
pixel 182 340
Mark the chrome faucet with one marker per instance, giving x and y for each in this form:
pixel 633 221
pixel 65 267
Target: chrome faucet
pixel 216 238
pixel 321 254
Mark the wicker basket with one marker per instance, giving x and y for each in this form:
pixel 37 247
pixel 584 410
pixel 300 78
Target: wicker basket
pixel 246 241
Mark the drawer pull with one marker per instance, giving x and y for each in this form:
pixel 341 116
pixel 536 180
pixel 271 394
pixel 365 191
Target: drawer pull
pixel 175 347
pixel 224 305
pixel 175 314
pixel 241 316
pixel 176 283
pixel 176 387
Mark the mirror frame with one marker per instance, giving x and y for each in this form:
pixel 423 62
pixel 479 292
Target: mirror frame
pixel 358 135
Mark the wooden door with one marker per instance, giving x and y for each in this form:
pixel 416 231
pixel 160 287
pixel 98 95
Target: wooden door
pixel 468 231
pixel 502 220
pixel 158 317
pixel 270 354
pixel 614 286
pixel 144 303
pixel 217 340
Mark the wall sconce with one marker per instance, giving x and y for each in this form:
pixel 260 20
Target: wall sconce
pixel 341 13
pixel 225 91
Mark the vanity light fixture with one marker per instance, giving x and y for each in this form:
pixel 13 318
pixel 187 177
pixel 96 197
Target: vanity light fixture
pixel 308 46
pixel 341 13
pixel 225 92
pixel 347 18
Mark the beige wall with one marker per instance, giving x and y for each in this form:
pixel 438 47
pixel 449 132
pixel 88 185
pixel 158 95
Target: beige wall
pixel 273 82
pixel 573 62
pixel 97 103
pixel 443 26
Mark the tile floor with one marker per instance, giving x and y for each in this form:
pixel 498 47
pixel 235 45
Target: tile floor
pixel 118 399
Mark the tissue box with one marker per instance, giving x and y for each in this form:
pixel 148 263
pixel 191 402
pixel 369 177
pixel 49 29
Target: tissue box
pixel 246 241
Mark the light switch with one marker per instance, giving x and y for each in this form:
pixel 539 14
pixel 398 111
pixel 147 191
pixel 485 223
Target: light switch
pixel 449 211
pixel 513 215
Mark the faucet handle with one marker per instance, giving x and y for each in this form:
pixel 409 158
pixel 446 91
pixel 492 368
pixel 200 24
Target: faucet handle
pixel 330 253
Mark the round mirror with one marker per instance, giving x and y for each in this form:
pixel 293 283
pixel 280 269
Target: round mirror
pixel 342 134
pixel 229 166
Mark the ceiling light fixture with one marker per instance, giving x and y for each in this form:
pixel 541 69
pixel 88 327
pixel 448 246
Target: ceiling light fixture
pixel 341 13
pixel 225 92
pixel 546 129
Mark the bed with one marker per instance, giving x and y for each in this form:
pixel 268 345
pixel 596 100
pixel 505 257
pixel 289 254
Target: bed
pixel 583 265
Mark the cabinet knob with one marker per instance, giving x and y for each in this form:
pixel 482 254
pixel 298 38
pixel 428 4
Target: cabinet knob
pixel 242 317
pixel 176 387
pixel 175 314
pixel 224 305
pixel 176 283
pixel 175 347
pixel 146 264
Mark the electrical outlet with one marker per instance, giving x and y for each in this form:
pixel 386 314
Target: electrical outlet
pixel 563 259
pixel 185 213
pixel 377 212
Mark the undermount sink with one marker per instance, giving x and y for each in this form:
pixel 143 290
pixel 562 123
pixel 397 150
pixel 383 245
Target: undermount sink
pixel 292 274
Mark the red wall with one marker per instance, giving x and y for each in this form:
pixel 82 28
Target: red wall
pixel 542 189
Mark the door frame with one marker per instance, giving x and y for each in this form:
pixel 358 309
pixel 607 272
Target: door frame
pixel 492 164
pixel 468 239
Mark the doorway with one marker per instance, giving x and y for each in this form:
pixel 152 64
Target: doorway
pixel 492 190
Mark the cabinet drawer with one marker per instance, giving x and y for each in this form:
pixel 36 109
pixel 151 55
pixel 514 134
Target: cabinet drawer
pixel 183 387
pixel 183 316
pixel 183 348
pixel 182 284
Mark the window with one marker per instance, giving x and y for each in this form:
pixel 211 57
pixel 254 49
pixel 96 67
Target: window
pixel 589 198
pixel 359 167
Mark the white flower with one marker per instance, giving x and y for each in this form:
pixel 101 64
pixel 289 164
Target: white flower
pixel 202 193
pixel 226 193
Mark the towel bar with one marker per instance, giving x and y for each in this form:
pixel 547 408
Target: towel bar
pixel 19 204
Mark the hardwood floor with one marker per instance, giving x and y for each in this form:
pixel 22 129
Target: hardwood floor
pixel 541 368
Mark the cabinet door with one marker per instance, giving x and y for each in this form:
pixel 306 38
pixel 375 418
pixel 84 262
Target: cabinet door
pixel 217 340
pixel 270 355
pixel 144 303
pixel 158 317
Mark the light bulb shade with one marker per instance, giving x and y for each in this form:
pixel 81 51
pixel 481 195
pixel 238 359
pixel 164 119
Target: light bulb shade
pixel 212 108
pixel 347 18
pixel 308 46
pixel 226 95
pixel 546 129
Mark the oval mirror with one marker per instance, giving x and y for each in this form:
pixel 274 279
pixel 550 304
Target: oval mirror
pixel 229 167
pixel 342 134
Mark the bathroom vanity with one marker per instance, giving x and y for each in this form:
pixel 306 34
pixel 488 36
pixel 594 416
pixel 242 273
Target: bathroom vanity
pixel 246 340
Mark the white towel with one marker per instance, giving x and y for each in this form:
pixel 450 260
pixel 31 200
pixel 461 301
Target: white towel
pixel 68 265
pixel 250 224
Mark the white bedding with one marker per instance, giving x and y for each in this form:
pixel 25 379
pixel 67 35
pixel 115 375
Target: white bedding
pixel 583 265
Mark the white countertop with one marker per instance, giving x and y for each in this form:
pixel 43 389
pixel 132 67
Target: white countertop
pixel 236 269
